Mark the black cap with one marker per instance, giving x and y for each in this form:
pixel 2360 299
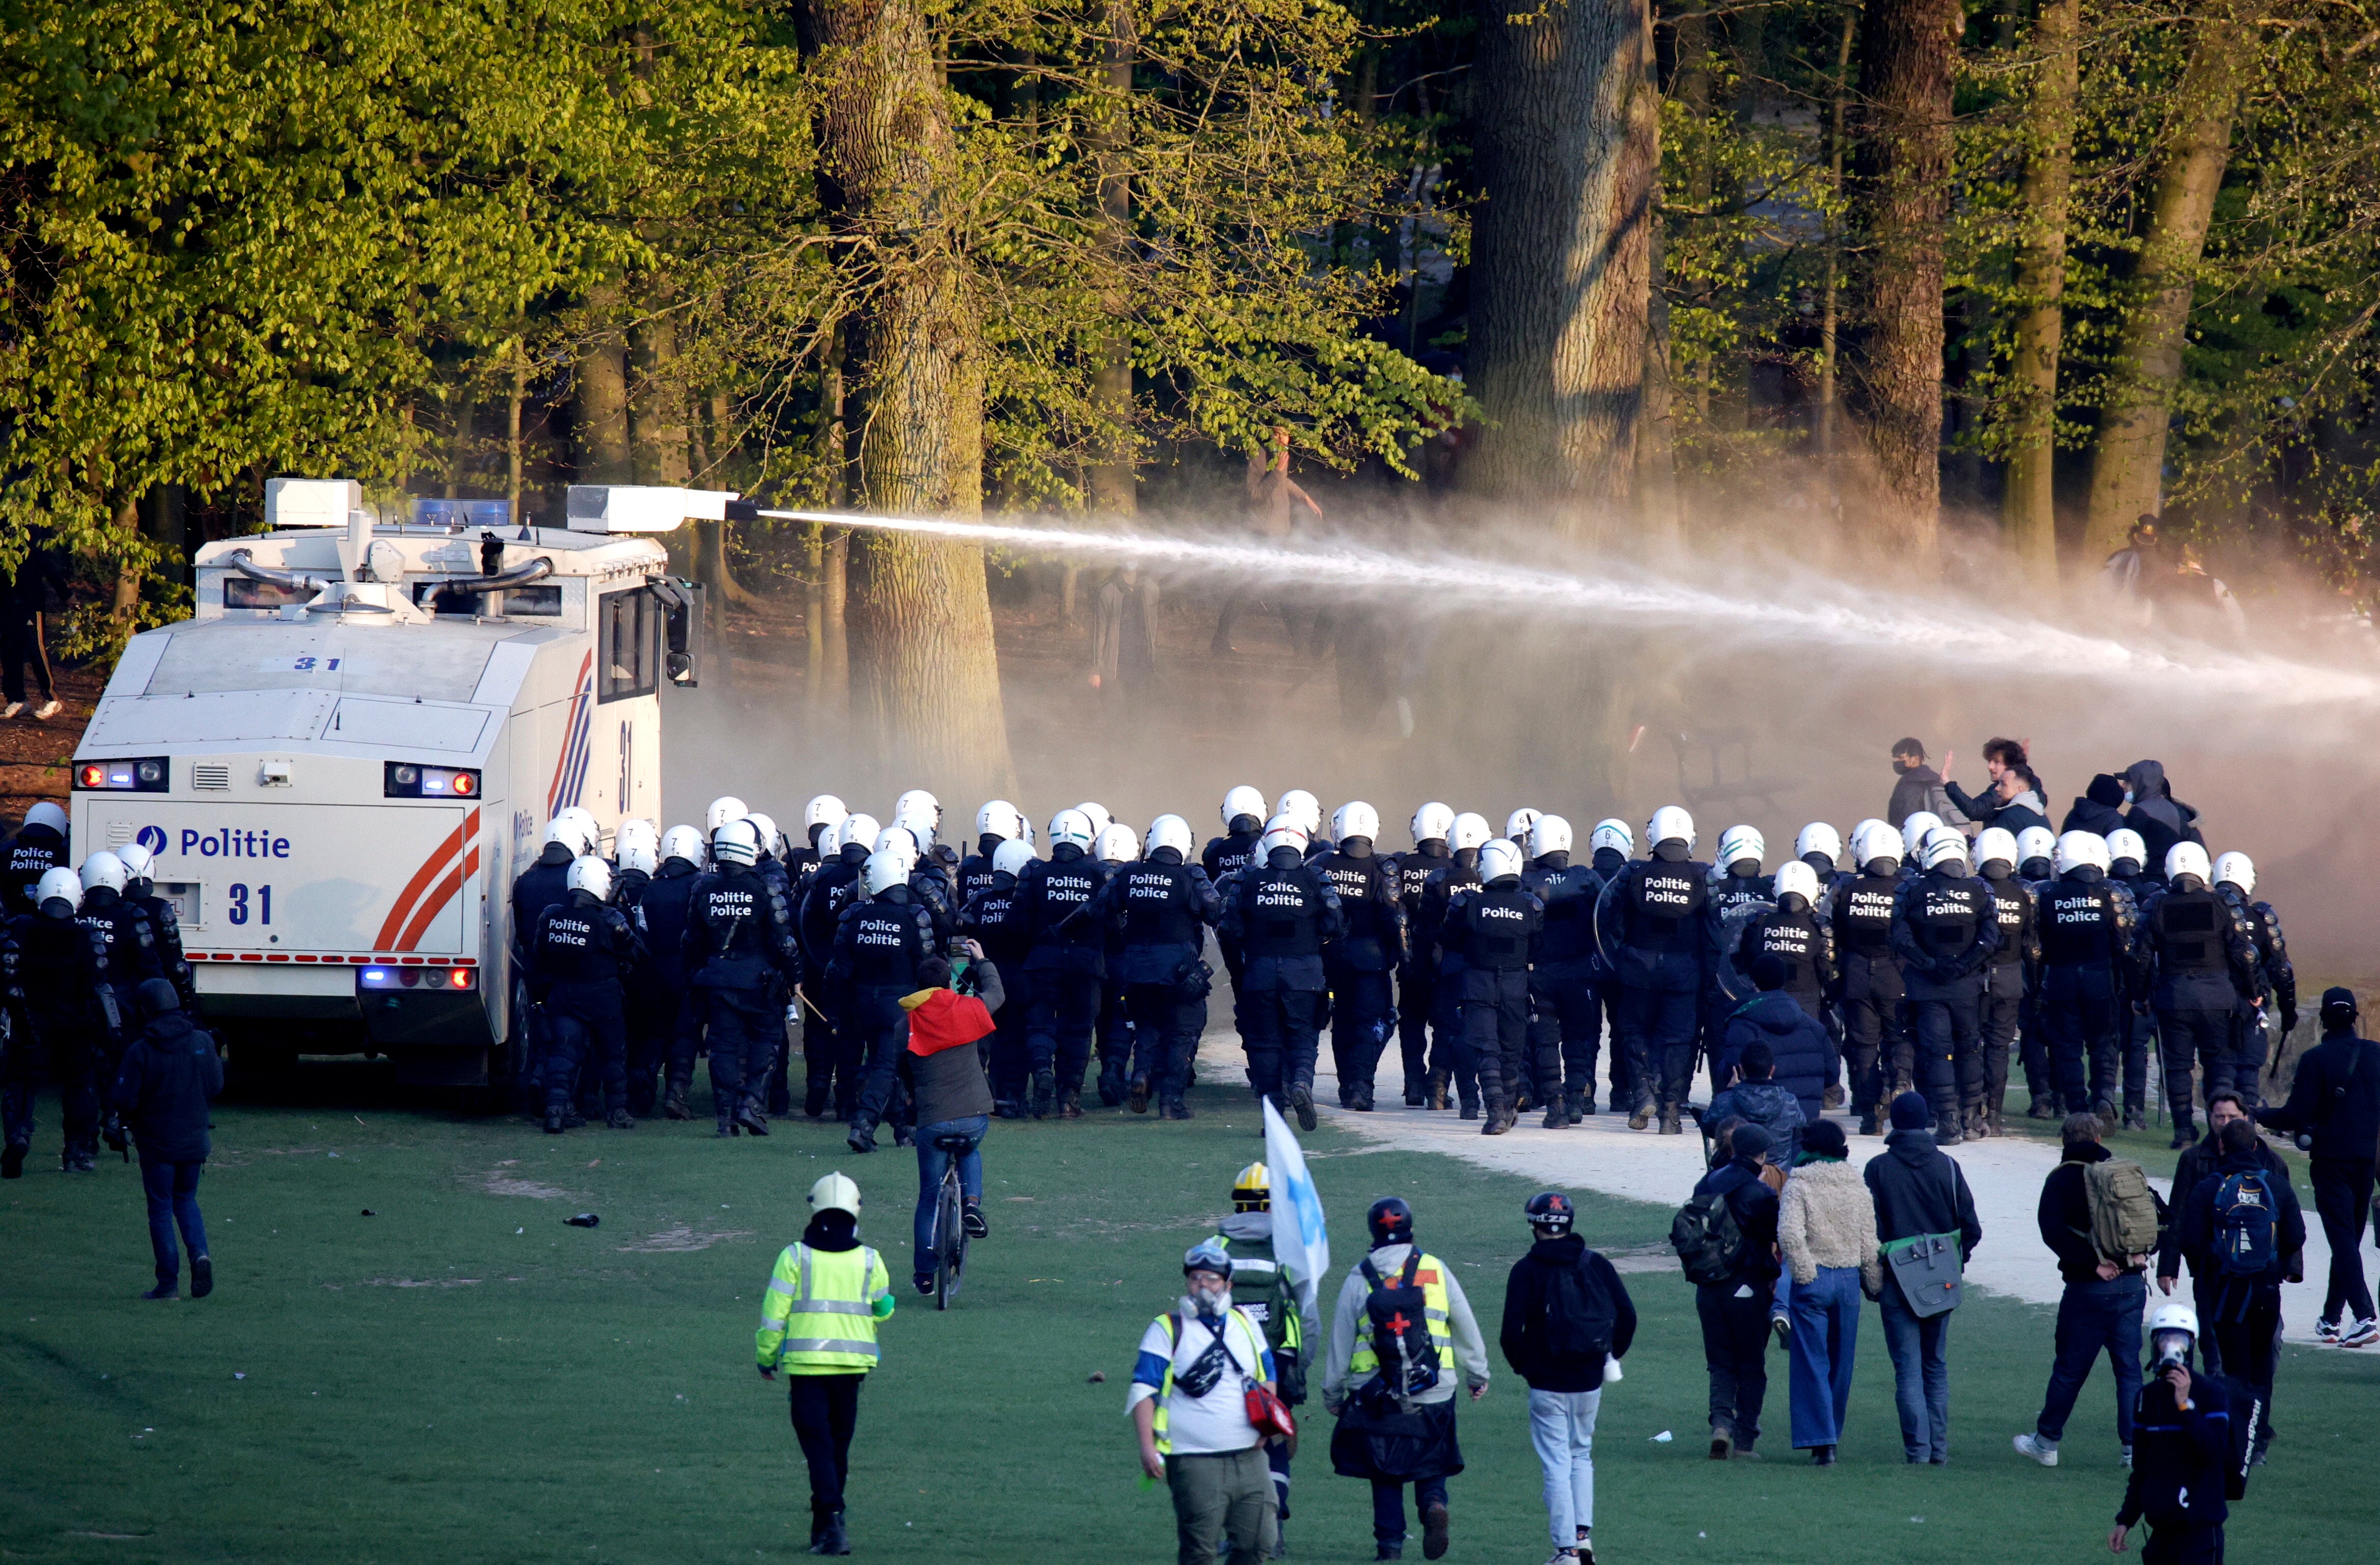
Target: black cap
pixel 1391 1222
pixel 2106 789
pixel 2338 1011
pixel 1550 1213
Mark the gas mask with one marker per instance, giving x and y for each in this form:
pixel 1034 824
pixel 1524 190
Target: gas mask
pixel 2172 1351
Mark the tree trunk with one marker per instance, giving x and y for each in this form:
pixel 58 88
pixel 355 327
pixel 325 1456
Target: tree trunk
pixel 829 674
pixel 1901 202
pixel 2129 460
pixel 1831 296
pixel 927 675
pixel 458 442
pixel 600 435
pixel 514 396
pixel 2028 510
pixel 1113 491
pixel 1656 440
pixel 1561 261
pixel 127 602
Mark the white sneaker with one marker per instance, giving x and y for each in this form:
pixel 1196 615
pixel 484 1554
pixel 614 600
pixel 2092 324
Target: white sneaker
pixel 2365 1333
pixel 2033 1446
pixel 2326 1330
pixel 11 709
pixel 46 711
pixel 2127 1459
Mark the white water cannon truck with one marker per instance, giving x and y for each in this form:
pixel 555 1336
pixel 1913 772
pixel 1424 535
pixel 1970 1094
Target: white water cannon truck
pixel 345 756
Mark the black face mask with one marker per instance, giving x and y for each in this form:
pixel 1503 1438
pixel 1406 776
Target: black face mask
pixel 1356 847
pixel 1284 859
pixel 1609 858
pixel 1671 852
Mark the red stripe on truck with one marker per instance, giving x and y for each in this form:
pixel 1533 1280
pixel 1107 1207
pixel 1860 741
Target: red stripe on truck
pixel 423 878
pixel 444 892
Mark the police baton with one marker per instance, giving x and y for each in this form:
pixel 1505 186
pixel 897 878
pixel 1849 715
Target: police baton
pixel 814 1010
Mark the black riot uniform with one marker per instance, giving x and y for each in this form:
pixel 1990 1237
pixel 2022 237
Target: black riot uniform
pixel 62 1019
pixel 1363 1012
pixel 2280 993
pixel 738 950
pixel 1872 990
pixel 1567 984
pixel 1066 967
pixel 1449 1061
pixel 2011 975
pixel 2138 1018
pixel 835 1056
pixel 1418 977
pixel 878 942
pixel 1661 959
pixel 1498 928
pixel 132 960
pixel 1225 855
pixel 974 878
pixel 1944 931
pixel 1160 909
pixel 1734 899
pixel 1281 913
pixel 535 889
pixel 581 953
pixel 2203 968
pixel 992 919
pixel 32 854
pixel 1794 934
pixel 2086 970
pixel 166 938
pixel 660 1009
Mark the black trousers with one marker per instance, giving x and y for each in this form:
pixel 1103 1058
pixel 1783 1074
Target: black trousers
pixel 1496 1029
pixel 1565 1031
pixel 880 1028
pixel 589 1036
pixel 2039 1081
pixel 2135 1027
pixel 1416 994
pixel 656 1016
pixel 1735 1349
pixel 1362 1016
pixel 2247 1327
pixel 22 644
pixel 2082 1025
pixel 1949 1035
pixel 2183 1545
pixel 1278 1030
pixel 2003 1003
pixel 1657 1026
pixel 2342 1195
pixel 1168 1029
pixel 2194 1037
pixel 826 1411
pixel 739 1026
pixel 1448 1052
pixel 1065 1012
pixel 1871 1030
pixel 61 1048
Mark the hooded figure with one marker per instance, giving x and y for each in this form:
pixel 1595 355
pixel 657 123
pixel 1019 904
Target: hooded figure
pixel 2101 807
pixel 2160 818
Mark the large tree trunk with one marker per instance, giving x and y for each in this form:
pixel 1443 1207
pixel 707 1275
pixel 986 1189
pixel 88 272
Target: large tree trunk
pixel 1113 489
pixel 830 669
pixel 2128 460
pixel 2028 510
pixel 1830 302
pixel 1901 202
pixel 926 677
pixel 1561 260
pixel 601 434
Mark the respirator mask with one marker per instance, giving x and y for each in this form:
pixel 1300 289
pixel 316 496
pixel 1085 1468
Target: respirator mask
pixel 2172 1351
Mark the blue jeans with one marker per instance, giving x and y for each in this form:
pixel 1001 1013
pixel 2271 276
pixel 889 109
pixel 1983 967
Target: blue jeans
pixel 932 1162
pixel 1562 1427
pixel 2095 1317
pixel 1921 1376
pixel 1389 1504
pixel 1821 1351
pixel 173 1191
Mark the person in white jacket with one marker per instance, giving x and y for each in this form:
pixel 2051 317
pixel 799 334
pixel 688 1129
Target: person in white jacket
pixel 1826 1226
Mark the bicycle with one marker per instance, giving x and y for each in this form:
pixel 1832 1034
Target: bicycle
pixel 950 1223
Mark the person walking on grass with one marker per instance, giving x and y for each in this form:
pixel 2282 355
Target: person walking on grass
pixel 170 1071
pixel 2334 1103
pixel 2243 1231
pixel 1726 1241
pixel 1826 1230
pixel 1920 1191
pixel 1566 1314
pixel 1189 1407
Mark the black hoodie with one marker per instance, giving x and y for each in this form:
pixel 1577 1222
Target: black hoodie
pixel 1920 1189
pixel 1564 1276
pixel 170 1071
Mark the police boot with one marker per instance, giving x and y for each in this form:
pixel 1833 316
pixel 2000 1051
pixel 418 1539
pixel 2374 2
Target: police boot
pixel 1301 1099
pixel 1111 1087
pixel 1992 1124
pixel 1174 1108
pixel 2185 1129
pixel 1045 1091
pixel 1947 1132
pixel 1137 1099
pixel 1670 1122
pixel 1557 1114
pixel 814 1098
pixel 726 1115
pixel 621 1120
pixel 2041 1109
pixel 1582 1104
pixel 1500 1115
pixel 12 1160
pixel 1834 1096
pixel 2136 1119
pixel 555 1120
pixel 1438 1081
pixel 673 1106
pixel 1070 1105
pixel 1643 1116
pixel 1417 1096
pixel 748 1116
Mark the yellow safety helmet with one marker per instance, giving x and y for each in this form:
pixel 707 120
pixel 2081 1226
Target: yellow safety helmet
pixel 836 1193
pixel 1252 1192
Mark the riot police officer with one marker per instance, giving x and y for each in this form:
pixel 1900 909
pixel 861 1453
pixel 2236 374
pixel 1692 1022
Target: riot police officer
pixel 1496 926
pixel 535 889
pixel 992 920
pixel 581 952
pixel 132 957
pixel 1820 846
pixel 1611 845
pixel 2203 968
pixel 166 925
pixel 1794 934
pixel 833 887
pixel 1871 987
pixel 879 943
pixel 2035 848
pixel 1359 961
pixel 1739 890
pixel 1450 1064
pixel 662 1022
pixel 2087 955
pixel 39 847
pixel 1944 928
pixel 1065 964
pixel 1566 980
pixel 1159 907
pixel 738 947
pixel 2008 978
pixel 998 822
pixel 820 816
pixel 1282 913
pixel 62 1014
pixel 1662 961
pixel 2129 871
pixel 2235 877
pixel 1417 976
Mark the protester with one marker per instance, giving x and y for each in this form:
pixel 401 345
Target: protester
pixel 2243 1231
pixel 2160 818
pixel 1758 1099
pixel 1566 1314
pixel 2195 1163
pixel 170 1071
pixel 948 1092
pixel 1189 1407
pixel 2100 809
pixel 1920 1191
pixel 1917 786
pixel 1733 1285
pixel 1286 1311
pixel 2334 1103
pixel 1826 1229
pixel 1799 1049
pixel 2178 1483
pixel 2105 1294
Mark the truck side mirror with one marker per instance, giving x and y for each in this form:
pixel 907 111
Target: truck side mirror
pixel 681 603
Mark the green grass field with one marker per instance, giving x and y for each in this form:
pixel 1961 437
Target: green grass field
pixel 464 1378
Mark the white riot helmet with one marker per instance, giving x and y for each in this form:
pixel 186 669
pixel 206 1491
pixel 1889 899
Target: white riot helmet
pixel 1283 831
pixel 2078 849
pixel 1740 842
pixel 918 801
pixel 1872 841
pixel 570 835
pixel 140 863
pixel 639 855
pixel 860 828
pixel 1072 826
pixel 1011 857
pixel 1820 839
pixel 826 809
pixel 636 831
pixel 2231 869
pixel 586 822
pixel 1469 831
pixel 919 823
pixel 2035 842
pixel 897 840
pixel 1613 833
pixel 2125 843
pixel 1355 818
pixel 1099 814
pixel 2173 1316
pixel 1431 822
pixel 1671 824
pixel 59 885
pixel 2188 858
pixel 1168 831
pixel 1000 819
pixel 772 839
pixel 735 843
pixel 1518 823
pixel 592 876
pixel 1995 842
pixel 1913 830
pixel 836 1193
pixel 1798 878
pixel 1243 800
pixel 1303 808
pixel 724 808
pixel 886 868
pixel 681 842
pixel 1117 844
pixel 1498 860
pixel 1944 850
pixel 1550 834
pixel 104 868
pixel 47 813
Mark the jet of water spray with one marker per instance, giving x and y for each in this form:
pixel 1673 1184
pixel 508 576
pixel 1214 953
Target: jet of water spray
pixel 1810 614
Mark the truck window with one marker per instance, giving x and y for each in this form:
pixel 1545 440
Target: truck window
pixel 627 651
pixel 242 592
pixel 536 601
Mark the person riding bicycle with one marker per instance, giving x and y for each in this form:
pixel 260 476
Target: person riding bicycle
pixel 1260 1286
pixel 942 1068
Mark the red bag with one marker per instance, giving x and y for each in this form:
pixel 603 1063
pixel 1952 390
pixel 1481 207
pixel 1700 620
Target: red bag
pixel 1269 1414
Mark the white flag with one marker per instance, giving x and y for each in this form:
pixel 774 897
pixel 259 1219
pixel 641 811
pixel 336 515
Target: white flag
pixel 1300 1243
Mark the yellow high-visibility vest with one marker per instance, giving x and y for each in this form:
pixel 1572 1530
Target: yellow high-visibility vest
pixel 819 1314
pixel 1251 1334
pixel 1429 1274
